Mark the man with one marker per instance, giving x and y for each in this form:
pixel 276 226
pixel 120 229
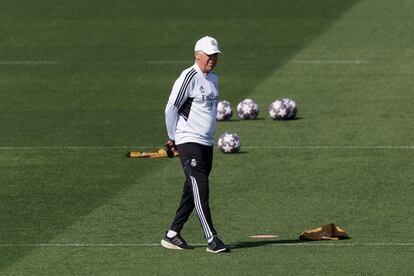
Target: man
pixel 190 117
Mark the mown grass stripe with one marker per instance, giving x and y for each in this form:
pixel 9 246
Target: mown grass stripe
pixel 29 62
pixel 293 147
pixel 297 61
pixel 171 62
pixel 375 244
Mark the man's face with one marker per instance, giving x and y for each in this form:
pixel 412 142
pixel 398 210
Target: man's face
pixel 206 62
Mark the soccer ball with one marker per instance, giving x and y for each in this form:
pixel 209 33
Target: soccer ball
pixel 224 111
pixel 229 142
pixel 247 109
pixel 292 108
pixel 284 109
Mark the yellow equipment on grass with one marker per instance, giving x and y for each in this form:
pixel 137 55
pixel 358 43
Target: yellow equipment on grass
pixel 156 154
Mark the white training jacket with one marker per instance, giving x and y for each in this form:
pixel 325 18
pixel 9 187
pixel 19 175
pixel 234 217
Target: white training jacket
pixel 190 114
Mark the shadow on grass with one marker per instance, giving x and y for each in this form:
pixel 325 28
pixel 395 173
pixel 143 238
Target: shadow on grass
pixel 294 119
pixel 259 119
pixel 241 120
pixel 232 153
pixel 251 244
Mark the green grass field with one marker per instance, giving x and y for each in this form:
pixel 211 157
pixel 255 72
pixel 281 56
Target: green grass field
pixel 83 82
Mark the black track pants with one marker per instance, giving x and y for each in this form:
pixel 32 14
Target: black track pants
pixel 196 161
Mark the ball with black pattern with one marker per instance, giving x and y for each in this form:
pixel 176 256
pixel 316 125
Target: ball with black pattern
pixel 283 109
pixel 292 108
pixel 224 111
pixel 229 142
pixel 247 109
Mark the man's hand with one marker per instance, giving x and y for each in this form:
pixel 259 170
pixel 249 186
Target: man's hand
pixel 170 145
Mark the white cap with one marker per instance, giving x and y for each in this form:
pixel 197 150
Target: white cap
pixel 208 45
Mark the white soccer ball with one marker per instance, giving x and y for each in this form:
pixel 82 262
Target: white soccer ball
pixel 229 142
pixel 247 109
pixel 284 109
pixel 224 111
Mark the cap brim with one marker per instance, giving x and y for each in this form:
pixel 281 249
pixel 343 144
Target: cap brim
pixel 212 52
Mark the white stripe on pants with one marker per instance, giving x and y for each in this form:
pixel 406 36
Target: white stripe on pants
pixel 199 209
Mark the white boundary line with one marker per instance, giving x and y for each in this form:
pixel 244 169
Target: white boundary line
pixel 327 61
pixel 294 61
pixel 54 62
pixel 275 243
pixel 168 62
pixel 76 147
pixel 349 147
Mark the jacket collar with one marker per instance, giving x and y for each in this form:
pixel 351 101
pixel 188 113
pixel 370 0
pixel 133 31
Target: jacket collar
pixel 195 66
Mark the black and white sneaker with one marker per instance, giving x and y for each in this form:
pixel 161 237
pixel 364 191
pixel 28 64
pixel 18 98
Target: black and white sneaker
pixel 176 242
pixel 217 246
